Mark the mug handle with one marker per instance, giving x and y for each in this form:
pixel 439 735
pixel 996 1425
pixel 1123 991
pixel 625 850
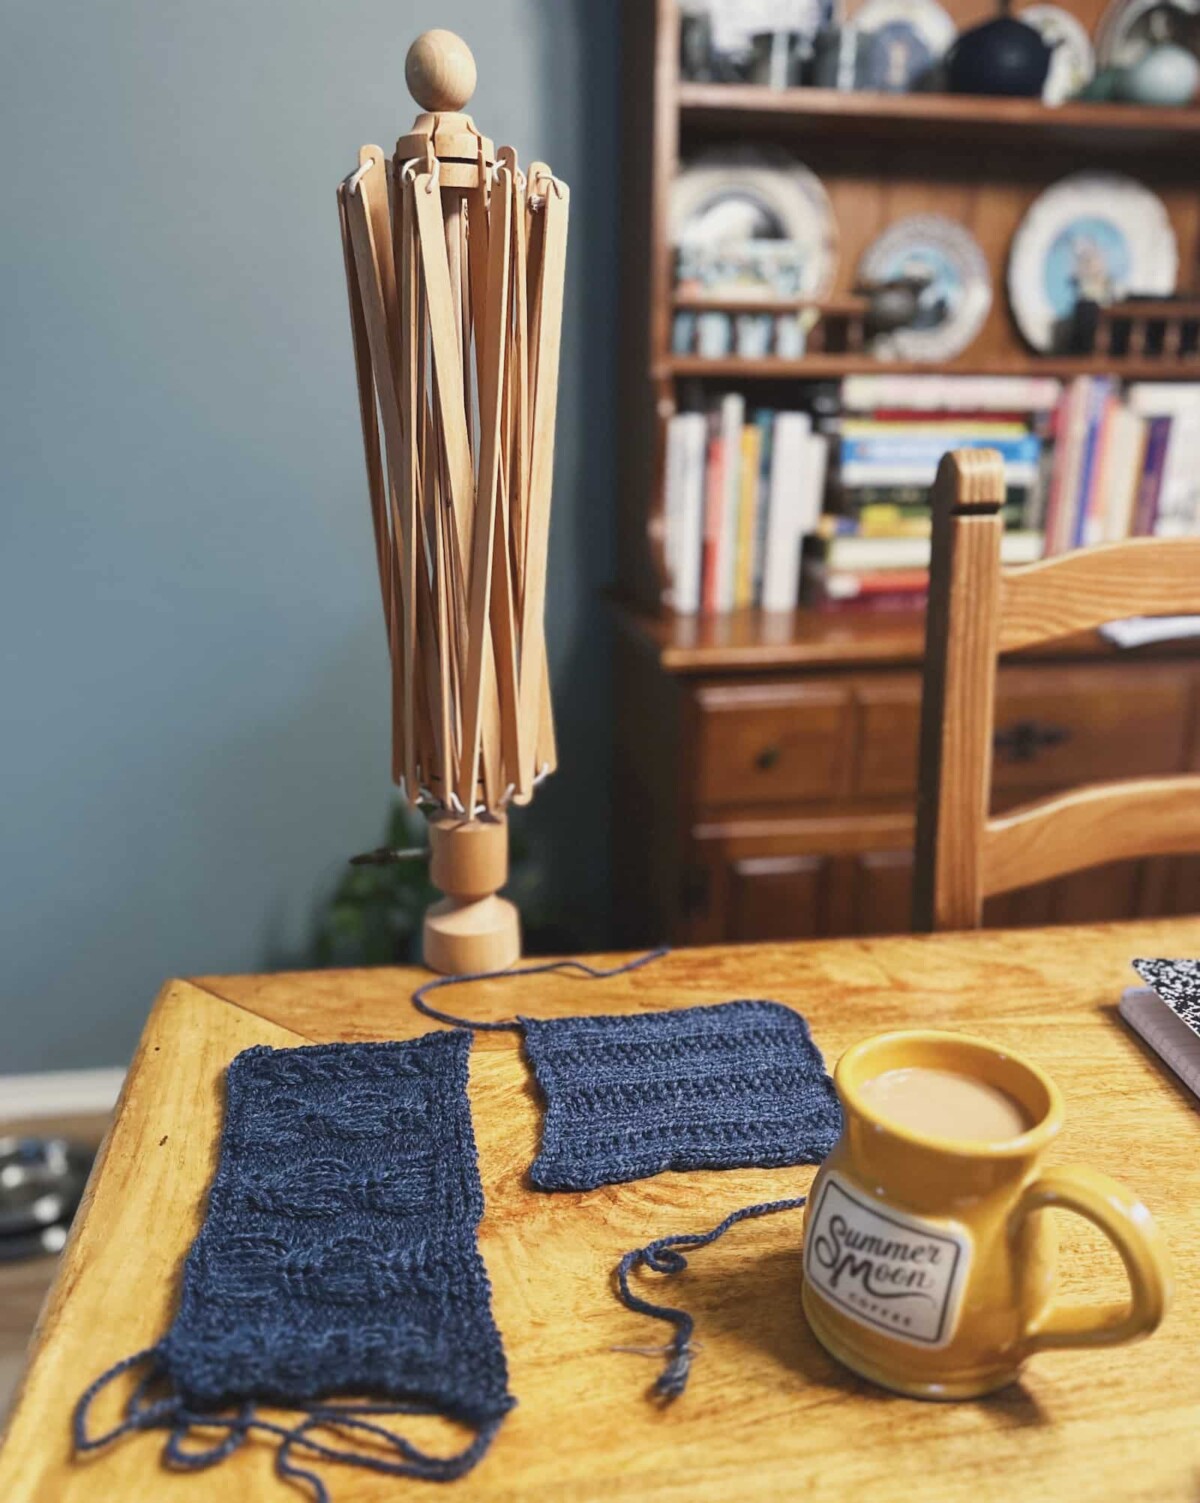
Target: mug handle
pixel 1127 1223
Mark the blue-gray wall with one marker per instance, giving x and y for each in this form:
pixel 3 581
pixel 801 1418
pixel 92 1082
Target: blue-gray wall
pixel 193 699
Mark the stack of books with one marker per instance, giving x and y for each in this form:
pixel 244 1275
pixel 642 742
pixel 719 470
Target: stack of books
pixel 1125 464
pixel 743 488
pixel 749 518
pixel 873 542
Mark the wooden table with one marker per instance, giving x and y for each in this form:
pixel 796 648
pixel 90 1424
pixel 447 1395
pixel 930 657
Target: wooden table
pixel 768 1414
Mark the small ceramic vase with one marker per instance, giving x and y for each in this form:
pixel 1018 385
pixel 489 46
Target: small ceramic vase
pixel 1165 75
pixel 1003 56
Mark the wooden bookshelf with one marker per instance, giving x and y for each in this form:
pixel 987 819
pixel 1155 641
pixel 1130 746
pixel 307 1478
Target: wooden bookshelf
pixel 835 113
pixel 736 369
pixel 881 157
pixel 766 764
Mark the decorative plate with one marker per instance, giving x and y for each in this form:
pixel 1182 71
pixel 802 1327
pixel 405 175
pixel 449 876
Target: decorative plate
pixel 727 200
pixel 952 307
pixel 1127 29
pixel 1099 235
pixel 1074 62
pixel 911 36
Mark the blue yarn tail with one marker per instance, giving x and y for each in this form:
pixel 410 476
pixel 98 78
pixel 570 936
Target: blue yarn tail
pixel 171 1413
pixel 513 1025
pixel 664 1256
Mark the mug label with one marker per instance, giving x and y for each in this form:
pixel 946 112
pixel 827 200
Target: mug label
pixel 885 1269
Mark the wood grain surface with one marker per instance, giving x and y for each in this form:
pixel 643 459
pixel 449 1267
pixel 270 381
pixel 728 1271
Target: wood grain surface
pixel 767 1414
pixel 1078 591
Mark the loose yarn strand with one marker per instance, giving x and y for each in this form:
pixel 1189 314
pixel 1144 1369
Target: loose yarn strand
pixel 173 1414
pixel 513 1025
pixel 665 1256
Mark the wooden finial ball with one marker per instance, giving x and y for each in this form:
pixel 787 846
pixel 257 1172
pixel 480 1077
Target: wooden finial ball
pixel 440 71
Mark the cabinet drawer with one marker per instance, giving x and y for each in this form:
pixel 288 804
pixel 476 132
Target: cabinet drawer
pixel 1054 727
pixel 770 743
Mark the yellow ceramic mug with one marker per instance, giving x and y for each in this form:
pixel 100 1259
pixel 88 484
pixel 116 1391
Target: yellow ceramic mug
pixel 925 1268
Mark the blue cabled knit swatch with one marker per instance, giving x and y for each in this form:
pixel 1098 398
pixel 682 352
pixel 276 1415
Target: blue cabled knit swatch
pixel 730 1086
pixel 338 1257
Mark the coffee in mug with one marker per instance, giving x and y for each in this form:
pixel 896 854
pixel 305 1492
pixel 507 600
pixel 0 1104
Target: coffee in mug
pixel 925 1267
pixel 945 1105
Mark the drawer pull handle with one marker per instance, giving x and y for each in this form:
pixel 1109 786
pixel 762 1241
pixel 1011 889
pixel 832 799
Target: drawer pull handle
pixel 1022 741
pixel 767 758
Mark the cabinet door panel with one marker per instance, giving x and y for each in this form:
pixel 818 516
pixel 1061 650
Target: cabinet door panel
pixel 880 892
pixel 778 897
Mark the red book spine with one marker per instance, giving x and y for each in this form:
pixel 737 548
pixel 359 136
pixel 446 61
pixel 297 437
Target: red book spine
pixel 902 600
pixel 948 417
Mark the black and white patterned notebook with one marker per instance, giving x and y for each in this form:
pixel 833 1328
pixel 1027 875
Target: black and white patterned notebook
pixel 1166 1013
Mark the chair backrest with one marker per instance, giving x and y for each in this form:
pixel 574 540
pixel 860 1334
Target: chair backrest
pixel 978 611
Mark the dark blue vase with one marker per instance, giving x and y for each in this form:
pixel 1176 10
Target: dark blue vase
pixel 1003 56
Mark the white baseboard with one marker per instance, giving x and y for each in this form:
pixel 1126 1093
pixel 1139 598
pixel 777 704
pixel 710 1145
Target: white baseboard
pixel 60 1093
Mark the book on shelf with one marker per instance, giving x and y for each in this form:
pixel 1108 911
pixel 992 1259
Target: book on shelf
pixel 875 553
pixel 826 589
pixel 932 393
pixel 732 420
pixel 751 464
pixel 1126 464
pixel 683 534
pixel 1177 509
pixel 765 422
pixel 886 572
pixel 714 505
pixel 742 490
pixel 1086 462
pixel 913 458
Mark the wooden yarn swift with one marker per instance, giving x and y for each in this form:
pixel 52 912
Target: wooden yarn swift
pixel 455 261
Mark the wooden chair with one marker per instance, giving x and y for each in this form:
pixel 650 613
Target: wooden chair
pixel 976 612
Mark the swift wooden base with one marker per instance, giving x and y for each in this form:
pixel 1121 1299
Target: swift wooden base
pixel 471 929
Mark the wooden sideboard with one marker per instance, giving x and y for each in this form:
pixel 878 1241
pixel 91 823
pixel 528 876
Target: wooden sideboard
pixel 766 772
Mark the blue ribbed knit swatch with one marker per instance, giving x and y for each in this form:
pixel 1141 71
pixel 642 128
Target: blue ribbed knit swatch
pixel 722 1087
pixel 338 1257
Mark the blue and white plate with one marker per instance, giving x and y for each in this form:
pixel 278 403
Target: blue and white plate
pixel 911 37
pixel 1093 235
pixel 952 308
pixel 732 201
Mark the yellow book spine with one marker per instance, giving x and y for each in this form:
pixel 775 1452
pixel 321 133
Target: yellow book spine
pixel 747 516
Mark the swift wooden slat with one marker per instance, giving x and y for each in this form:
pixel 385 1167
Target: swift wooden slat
pixel 492 352
pixel 444 317
pixel 373 185
pixel 1115 821
pixel 504 639
pixel 548 304
pixel 977 611
pixel 1082 590
pixel 546 758
pixel 518 415
pixel 958 703
pixel 368 415
pixel 371 261
pixel 437 750
pixel 408 302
